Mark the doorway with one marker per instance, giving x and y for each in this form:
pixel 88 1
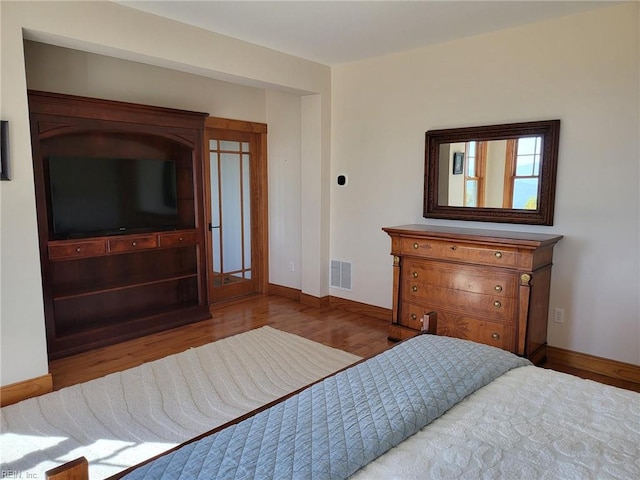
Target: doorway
pixel 236 202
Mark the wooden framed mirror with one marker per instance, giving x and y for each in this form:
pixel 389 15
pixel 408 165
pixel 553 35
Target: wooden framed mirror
pixel 497 173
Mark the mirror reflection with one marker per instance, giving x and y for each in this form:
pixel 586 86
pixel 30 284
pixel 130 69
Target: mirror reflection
pixel 491 174
pixel 495 173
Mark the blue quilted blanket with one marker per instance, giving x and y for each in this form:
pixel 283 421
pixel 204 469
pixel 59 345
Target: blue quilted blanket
pixel 335 427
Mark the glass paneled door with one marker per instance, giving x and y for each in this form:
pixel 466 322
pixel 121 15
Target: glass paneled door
pixel 230 245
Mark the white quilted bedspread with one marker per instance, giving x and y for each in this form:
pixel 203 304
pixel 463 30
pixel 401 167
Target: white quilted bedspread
pixel 531 423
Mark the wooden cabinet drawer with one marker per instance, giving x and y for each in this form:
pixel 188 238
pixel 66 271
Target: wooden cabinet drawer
pixel 465 278
pixel 412 315
pixel 66 249
pixel 491 306
pixel 459 251
pixel 460 326
pixel 176 239
pixel 129 244
pixel 481 331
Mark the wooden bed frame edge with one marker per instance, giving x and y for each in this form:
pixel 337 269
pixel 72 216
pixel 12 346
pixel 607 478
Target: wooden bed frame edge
pixel 77 469
pixel 16 392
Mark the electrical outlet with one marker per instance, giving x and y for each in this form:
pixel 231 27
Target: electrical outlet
pixel 558 315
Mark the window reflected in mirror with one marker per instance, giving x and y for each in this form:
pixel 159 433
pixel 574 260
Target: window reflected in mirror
pixel 497 173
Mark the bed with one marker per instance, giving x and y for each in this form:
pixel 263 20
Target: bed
pixel 430 407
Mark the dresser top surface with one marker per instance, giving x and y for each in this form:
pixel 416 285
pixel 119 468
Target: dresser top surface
pixel 474 234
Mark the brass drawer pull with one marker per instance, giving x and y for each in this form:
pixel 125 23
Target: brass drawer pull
pixel 497 288
pixel 133 244
pixel 414 288
pixel 495 336
pixel 180 238
pixel 78 250
pixel 497 304
pixel 415 245
pixel 453 247
pixel 498 254
pixel 413 316
pixel 415 274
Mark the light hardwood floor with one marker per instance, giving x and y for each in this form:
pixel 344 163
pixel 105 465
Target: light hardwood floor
pixel 352 332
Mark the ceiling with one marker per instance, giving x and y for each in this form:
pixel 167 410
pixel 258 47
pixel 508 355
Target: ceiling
pixel 336 32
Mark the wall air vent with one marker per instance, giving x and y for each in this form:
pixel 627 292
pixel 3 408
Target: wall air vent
pixel 341 274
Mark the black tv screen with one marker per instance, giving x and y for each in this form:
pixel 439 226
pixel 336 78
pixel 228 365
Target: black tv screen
pixel 106 196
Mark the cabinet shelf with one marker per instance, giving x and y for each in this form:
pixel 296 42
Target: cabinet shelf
pixel 79 313
pixel 96 328
pixel 84 276
pixel 134 284
pixel 74 341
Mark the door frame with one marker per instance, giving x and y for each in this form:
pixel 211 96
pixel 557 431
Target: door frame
pixel 259 198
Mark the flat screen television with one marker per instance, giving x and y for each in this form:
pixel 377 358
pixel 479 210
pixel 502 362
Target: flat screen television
pixel 109 196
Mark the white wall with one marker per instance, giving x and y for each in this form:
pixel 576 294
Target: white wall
pixel 111 29
pixel 583 70
pixel 62 70
pixel 285 216
pixel 313 231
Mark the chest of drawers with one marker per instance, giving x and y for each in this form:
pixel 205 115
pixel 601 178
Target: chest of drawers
pixel 487 286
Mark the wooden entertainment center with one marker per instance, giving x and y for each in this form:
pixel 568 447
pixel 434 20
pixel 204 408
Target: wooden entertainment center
pixel 99 290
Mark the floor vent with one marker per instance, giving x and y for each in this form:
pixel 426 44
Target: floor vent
pixel 341 274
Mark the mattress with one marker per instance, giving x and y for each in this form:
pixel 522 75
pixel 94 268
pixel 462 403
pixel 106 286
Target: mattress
pixel 531 423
